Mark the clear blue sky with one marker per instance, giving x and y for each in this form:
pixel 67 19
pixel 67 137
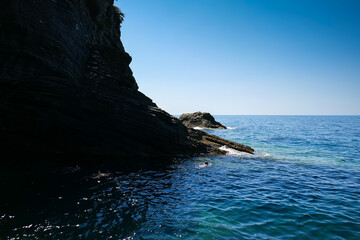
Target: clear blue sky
pixel 246 56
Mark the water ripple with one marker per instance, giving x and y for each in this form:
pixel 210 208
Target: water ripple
pixel 236 197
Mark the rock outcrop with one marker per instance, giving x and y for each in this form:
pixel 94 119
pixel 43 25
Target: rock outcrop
pixel 66 86
pixel 214 143
pixel 200 119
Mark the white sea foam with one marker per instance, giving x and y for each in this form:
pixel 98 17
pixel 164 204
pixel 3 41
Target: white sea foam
pixel 266 155
pixel 204 165
pixel 200 128
pixel 231 151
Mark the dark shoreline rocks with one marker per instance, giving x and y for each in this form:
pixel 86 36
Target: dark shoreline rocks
pixel 66 89
pixel 201 120
pixel 216 142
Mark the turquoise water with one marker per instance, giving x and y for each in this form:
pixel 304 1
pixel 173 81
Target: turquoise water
pixel 302 183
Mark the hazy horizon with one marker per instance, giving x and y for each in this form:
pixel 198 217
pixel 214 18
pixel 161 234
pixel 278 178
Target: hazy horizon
pixel 246 57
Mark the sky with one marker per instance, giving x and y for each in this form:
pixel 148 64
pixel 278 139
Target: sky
pixel 246 57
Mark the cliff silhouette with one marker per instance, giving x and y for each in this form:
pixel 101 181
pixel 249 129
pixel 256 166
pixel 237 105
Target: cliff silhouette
pixel 66 87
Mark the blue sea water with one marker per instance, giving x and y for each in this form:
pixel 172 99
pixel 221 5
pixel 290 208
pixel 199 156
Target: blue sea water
pixel 302 183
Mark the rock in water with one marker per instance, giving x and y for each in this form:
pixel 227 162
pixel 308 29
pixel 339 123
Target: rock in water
pixel 215 143
pixel 200 119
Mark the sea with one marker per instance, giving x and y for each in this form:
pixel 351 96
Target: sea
pixel 303 182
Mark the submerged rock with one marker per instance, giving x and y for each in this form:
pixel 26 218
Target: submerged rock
pixel 200 119
pixel 66 87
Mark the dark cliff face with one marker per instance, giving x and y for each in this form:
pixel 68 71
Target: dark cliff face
pixel 66 85
pixel 66 89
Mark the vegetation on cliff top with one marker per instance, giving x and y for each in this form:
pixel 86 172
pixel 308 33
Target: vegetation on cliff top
pixel 121 14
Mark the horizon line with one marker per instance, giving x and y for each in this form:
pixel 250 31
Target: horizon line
pixel 355 115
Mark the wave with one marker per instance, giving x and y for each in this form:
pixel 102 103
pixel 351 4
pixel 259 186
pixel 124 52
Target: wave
pixel 200 128
pixel 233 152
pixel 264 156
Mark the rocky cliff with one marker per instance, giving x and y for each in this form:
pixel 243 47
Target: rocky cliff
pixel 66 86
